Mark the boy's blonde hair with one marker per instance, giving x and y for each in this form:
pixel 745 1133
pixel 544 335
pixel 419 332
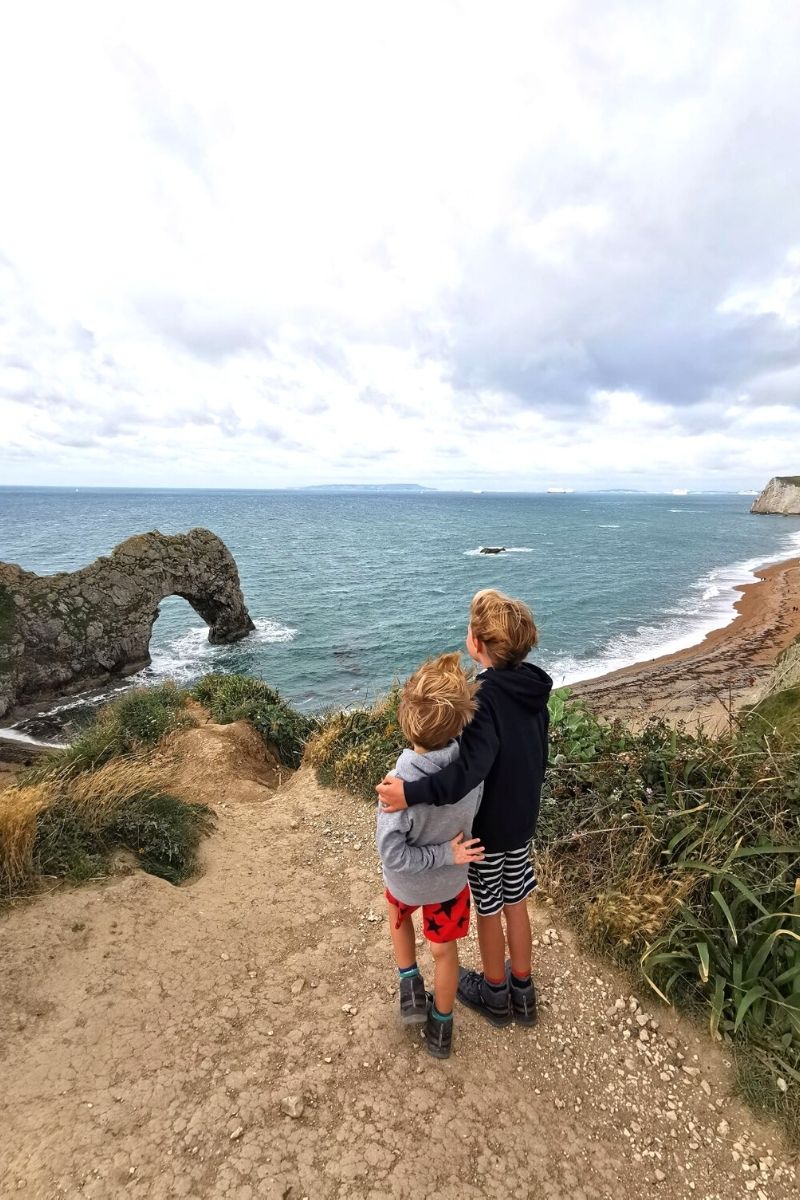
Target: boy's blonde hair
pixel 505 626
pixel 437 702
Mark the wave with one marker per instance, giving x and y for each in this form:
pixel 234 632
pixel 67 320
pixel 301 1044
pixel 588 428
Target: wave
pixel 609 526
pixel 191 654
pixel 507 550
pixel 16 735
pixel 708 606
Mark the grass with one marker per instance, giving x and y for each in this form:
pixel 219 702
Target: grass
pixel 354 749
pixel 778 717
pixel 137 720
pixel 69 813
pixel 238 697
pixel 68 825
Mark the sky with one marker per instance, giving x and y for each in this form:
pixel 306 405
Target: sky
pixel 467 245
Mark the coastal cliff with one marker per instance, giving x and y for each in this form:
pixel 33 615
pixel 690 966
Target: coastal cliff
pixel 781 495
pixel 84 627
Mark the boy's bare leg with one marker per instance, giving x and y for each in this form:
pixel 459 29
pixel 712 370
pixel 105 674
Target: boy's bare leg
pixel 493 947
pixel 405 947
pixel 518 929
pixel 445 975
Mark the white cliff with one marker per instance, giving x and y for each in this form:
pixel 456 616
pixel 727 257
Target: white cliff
pixel 781 495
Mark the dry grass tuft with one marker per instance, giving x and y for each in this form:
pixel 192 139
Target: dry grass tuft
pixel 66 825
pixel 19 810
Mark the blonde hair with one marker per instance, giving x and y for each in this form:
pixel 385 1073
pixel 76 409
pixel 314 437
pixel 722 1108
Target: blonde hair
pixel 505 626
pixel 437 701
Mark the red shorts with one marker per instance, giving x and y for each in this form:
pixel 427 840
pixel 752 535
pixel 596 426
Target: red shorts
pixel 444 922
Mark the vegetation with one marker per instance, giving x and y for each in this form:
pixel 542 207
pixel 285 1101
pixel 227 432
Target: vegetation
pixel 70 812
pixel 354 749
pixel 135 721
pixel 67 826
pixel 680 854
pixel 238 697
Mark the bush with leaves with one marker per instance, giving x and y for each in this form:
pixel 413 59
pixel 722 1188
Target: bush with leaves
pixel 239 697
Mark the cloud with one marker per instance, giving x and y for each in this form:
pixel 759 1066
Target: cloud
pixel 570 250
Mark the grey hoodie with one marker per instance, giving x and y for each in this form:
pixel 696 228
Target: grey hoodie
pixel 414 844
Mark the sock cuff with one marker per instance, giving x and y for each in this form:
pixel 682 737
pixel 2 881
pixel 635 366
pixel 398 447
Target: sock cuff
pixel 521 980
pixel 437 1016
pixel 495 987
pixel 408 972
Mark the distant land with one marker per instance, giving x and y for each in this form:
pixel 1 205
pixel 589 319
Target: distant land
pixel 365 487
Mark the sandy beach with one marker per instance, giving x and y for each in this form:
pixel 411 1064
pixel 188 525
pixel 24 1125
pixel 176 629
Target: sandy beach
pixel 728 669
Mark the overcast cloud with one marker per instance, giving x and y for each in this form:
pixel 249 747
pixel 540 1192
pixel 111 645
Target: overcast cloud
pixel 460 244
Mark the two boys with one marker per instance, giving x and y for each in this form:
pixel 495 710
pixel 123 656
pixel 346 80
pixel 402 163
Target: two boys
pixel 504 746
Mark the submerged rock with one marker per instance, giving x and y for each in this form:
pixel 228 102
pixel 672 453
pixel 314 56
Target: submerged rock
pixel 781 495
pixel 78 629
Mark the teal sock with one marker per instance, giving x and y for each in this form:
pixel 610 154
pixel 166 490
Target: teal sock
pixel 408 972
pixel 438 1016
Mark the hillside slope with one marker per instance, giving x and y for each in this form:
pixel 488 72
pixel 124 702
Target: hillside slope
pixel 237 1038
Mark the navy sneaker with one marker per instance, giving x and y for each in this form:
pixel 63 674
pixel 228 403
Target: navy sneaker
pixel 438 1034
pixel 523 1000
pixel 413 1004
pixel 494 1005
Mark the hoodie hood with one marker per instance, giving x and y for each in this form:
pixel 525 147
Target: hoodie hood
pixel 411 765
pixel 527 684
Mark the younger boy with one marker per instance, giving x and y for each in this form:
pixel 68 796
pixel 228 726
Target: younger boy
pixel 424 852
pixel 506 746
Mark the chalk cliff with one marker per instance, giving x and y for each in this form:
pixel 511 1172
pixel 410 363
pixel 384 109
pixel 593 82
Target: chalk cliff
pixel 781 495
pixel 78 629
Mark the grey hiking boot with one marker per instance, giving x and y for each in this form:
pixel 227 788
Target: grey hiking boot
pixel 473 991
pixel 413 1002
pixel 438 1033
pixel 523 1000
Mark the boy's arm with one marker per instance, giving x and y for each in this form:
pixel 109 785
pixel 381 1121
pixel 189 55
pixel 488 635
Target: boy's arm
pixel 479 746
pixel 397 854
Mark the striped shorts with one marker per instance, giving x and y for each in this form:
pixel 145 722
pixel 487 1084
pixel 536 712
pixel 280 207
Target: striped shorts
pixel 503 878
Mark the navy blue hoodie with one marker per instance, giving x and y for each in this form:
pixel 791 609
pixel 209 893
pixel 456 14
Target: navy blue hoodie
pixel 505 744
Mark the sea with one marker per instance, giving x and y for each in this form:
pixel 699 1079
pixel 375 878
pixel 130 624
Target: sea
pixel 351 591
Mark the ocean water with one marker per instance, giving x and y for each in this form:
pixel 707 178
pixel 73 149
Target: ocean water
pixel 351 591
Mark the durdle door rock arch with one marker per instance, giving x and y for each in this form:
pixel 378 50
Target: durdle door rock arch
pixel 79 629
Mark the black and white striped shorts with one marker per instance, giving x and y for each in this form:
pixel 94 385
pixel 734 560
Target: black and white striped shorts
pixel 503 878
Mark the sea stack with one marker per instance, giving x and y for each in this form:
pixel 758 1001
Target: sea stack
pixel 781 495
pixel 82 628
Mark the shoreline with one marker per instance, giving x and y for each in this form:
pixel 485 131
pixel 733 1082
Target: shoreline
pixel 728 668
pixel 701 683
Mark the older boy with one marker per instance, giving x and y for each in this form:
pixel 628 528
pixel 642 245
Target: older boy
pixel 505 745
pixel 424 852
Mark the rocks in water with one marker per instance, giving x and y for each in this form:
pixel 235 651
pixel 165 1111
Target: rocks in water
pixel 79 629
pixel 781 495
pixel 493 550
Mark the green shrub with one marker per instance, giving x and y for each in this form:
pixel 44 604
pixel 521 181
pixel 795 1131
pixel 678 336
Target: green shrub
pixel 354 749
pixel 238 697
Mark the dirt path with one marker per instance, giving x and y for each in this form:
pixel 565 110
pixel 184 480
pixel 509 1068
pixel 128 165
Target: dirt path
pixel 237 1038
